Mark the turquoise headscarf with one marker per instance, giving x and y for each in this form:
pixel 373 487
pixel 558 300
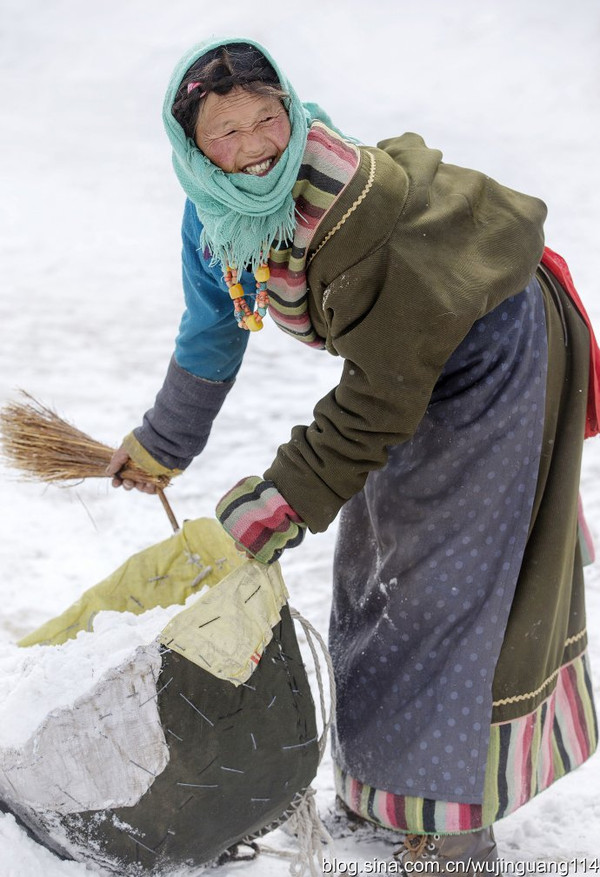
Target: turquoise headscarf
pixel 242 214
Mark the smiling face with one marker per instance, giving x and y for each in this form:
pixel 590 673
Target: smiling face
pixel 242 132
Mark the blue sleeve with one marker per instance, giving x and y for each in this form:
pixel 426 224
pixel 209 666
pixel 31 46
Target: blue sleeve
pixel 209 344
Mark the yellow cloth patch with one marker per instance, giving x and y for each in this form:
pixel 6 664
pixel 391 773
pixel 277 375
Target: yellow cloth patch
pixel 227 630
pixel 167 573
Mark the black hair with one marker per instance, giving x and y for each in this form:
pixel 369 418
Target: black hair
pixel 220 70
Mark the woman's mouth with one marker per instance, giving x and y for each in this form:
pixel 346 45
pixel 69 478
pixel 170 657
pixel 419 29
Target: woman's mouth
pixel 261 168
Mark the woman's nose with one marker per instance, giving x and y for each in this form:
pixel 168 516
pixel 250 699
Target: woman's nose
pixel 254 143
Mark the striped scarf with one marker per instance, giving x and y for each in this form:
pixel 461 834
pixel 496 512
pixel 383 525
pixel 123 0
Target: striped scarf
pixel 328 165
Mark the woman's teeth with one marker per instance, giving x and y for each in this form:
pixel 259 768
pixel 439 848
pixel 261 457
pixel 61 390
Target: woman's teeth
pixel 257 169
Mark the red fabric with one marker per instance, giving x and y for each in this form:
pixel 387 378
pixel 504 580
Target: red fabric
pixel 588 551
pixel 559 268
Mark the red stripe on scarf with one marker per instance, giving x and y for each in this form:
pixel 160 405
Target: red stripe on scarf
pixel 308 214
pixel 338 147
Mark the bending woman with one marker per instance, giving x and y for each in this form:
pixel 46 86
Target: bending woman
pixel 451 446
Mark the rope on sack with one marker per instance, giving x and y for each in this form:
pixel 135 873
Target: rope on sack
pixel 311 632
pixel 302 817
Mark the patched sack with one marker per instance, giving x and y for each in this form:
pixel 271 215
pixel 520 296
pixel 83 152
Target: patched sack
pixel 201 738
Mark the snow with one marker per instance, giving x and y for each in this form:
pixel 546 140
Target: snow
pixel 90 303
pixel 37 680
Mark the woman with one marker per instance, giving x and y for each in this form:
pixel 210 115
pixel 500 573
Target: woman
pixel 451 446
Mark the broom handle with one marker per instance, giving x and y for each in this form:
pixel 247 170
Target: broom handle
pixel 168 509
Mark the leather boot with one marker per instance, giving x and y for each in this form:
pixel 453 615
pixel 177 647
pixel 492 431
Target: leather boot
pixel 470 847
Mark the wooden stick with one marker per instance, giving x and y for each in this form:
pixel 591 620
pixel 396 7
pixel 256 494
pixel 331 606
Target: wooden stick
pixel 167 507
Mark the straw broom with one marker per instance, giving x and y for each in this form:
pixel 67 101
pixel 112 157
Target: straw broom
pixel 47 448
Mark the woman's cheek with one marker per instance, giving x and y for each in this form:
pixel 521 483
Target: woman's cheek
pixel 282 133
pixel 223 155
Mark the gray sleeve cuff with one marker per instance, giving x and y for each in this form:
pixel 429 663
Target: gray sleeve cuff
pixel 176 428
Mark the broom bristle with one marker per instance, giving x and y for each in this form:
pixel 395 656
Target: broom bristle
pixel 45 447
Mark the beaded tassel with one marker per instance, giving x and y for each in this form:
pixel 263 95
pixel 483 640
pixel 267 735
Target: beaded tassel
pixel 253 322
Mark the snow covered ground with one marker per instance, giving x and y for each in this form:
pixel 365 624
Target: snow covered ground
pixel 90 292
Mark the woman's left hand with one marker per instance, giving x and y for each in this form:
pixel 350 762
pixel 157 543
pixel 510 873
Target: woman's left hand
pixel 259 519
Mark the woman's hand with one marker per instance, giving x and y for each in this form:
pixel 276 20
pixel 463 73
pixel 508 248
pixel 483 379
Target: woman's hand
pixel 119 461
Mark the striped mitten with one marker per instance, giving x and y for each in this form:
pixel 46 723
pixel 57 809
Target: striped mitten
pixel 257 516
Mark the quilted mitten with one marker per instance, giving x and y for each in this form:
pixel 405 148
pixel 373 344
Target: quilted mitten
pixel 138 453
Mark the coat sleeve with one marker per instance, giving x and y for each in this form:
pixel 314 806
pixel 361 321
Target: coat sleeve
pixel 208 354
pixel 209 344
pixel 395 317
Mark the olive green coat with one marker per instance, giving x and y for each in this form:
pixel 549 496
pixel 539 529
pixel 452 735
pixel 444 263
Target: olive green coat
pixel 413 256
pixel 430 249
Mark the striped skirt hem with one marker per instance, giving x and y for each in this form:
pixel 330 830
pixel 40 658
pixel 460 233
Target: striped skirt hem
pixel 525 756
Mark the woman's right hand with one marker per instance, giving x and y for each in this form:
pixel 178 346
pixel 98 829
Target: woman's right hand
pixel 119 461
